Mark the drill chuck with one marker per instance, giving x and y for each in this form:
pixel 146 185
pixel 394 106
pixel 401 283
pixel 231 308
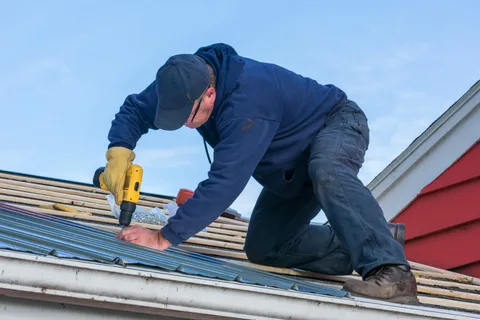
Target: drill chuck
pixel 127 208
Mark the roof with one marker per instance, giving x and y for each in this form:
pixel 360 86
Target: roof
pixel 430 154
pixel 219 260
pixel 432 225
pixel 29 231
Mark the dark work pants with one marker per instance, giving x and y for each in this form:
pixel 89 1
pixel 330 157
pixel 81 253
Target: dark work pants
pixel 280 233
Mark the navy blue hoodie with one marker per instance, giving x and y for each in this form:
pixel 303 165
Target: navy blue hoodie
pixel 263 121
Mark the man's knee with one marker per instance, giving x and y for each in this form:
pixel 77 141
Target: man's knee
pixel 322 171
pixel 327 171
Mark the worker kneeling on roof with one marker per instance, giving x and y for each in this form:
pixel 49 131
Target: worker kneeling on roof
pixel 302 141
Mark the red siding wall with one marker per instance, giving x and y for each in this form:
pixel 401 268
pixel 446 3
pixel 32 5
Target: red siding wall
pixel 443 221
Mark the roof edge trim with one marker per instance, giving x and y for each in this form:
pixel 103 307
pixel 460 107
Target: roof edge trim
pixel 141 291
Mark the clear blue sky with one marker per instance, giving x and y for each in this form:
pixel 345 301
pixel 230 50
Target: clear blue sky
pixel 67 66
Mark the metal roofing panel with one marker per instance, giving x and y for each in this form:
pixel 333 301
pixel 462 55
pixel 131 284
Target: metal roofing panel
pixel 29 231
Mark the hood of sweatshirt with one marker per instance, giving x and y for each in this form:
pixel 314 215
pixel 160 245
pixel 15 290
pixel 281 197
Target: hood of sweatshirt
pixel 227 66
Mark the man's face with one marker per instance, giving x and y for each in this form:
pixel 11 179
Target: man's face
pixel 202 109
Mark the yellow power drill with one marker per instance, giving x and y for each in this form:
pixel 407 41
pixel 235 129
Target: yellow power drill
pixel 131 191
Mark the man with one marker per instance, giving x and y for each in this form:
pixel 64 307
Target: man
pixel 302 141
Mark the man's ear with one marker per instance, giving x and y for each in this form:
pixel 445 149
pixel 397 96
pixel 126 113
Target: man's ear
pixel 211 94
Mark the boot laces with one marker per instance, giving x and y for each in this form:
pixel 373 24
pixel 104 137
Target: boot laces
pixel 381 275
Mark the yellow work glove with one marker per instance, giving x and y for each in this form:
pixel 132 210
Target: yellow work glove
pixel 118 161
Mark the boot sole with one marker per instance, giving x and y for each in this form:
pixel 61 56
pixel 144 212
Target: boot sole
pixel 409 300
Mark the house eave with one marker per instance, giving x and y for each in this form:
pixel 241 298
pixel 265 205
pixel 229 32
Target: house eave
pixel 29 276
pixel 425 135
pixel 459 119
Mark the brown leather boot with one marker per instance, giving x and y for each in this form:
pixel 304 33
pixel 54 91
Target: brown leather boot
pixel 398 231
pixel 392 283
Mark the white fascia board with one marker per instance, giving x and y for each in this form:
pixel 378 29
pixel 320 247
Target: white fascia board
pixel 429 155
pixel 74 282
pixel 28 309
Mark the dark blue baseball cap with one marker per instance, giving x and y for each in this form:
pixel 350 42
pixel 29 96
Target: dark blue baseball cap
pixel 179 82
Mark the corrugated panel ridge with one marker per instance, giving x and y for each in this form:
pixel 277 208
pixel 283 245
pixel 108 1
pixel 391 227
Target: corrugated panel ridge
pixel 28 231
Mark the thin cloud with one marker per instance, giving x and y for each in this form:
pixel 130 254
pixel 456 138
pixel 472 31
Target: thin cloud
pixel 39 76
pixel 15 158
pixel 173 157
pixel 406 53
pixel 362 68
pixel 391 134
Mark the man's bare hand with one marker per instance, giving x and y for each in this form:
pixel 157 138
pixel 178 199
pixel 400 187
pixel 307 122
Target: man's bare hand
pixel 144 237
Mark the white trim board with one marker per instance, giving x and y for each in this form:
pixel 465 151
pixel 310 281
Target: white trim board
pixel 76 283
pixel 438 147
pixel 28 309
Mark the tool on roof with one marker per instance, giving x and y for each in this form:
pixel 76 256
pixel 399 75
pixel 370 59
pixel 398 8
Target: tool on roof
pixel 131 191
pixel 185 194
pixel 59 207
